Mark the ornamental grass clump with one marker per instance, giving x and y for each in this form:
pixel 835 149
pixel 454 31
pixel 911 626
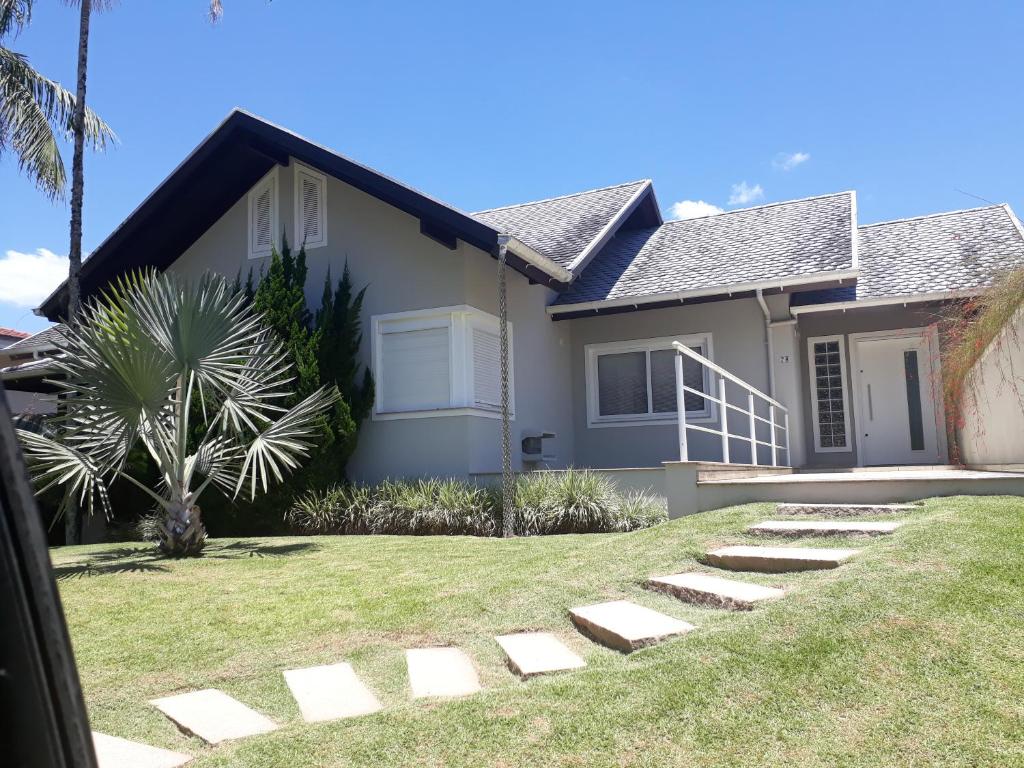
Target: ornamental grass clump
pixel 193 374
pixel 968 329
pixel 573 501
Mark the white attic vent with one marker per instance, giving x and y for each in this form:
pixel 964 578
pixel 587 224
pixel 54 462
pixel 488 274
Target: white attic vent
pixel 310 197
pixel 263 216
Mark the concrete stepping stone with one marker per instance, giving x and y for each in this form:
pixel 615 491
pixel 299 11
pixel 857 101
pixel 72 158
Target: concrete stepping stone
pixel 213 716
pixel 626 626
pixel 536 653
pixel 778 559
pixel 842 510
pixel 113 752
pixel 330 692
pixel 824 527
pixel 440 672
pixel 705 589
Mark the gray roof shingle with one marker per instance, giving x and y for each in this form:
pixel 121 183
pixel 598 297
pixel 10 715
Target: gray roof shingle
pixel 46 338
pixel 562 228
pixel 954 251
pixel 764 243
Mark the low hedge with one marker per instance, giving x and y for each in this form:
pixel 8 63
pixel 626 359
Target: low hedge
pixel 574 501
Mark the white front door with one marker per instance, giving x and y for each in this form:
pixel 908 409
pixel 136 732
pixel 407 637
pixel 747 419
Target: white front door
pixel 895 385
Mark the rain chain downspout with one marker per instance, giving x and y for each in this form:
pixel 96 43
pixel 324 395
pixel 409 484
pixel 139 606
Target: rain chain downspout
pixel 507 479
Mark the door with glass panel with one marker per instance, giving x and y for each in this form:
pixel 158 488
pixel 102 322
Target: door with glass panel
pixel 895 387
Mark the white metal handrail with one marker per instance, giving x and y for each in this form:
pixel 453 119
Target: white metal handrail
pixel 751 438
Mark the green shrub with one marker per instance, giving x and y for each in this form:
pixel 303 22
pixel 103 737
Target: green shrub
pixel 574 501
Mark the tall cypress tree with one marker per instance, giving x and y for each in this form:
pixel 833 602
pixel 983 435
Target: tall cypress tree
pixel 340 327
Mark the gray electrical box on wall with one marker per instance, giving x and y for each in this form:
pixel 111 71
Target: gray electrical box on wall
pixel 533 446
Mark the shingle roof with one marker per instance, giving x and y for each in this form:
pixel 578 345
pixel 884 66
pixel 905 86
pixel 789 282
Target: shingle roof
pixel 562 228
pixel 765 243
pixel 48 337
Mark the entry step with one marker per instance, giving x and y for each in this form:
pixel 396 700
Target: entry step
pixel 842 510
pixel 778 559
pixel 824 527
pixel 626 626
pixel 705 589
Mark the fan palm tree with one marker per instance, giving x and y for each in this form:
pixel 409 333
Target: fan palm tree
pixel 192 373
pixel 35 111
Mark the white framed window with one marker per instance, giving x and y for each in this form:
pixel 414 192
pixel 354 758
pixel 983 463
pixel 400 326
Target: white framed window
pixel 830 411
pixel 263 226
pixel 310 207
pixel 438 362
pixel 630 383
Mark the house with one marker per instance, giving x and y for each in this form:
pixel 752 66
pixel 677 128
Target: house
pixel 23 364
pixel 831 319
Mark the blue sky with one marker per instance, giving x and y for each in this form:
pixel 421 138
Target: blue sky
pixel 484 104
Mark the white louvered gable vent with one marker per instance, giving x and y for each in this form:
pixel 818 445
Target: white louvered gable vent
pixel 486 369
pixel 310 194
pixel 263 216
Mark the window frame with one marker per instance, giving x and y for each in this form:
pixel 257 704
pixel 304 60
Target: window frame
pixel 270 181
pixel 460 321
pixel 594 351
pixel 813 392
pixel 299 171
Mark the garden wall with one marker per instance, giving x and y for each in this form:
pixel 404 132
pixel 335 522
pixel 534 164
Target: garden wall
pixel 992 429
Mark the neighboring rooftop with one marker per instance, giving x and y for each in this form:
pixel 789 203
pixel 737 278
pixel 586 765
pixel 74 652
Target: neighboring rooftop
pixel 10 333
pixel 565 228
pixel 41 340
pixel 952 253
pixel 768 243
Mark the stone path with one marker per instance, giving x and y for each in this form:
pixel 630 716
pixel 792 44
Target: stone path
pixel 334 691
pixel 778 559
pixel 842 510
pixel 537 653
pixel 705 589
pixel 824 527
pixel 627 626
pixel 112 752
pixel 213 716
pixel 440 672
pixel 331 692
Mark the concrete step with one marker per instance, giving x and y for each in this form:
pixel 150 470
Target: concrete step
pixel 778 559
pixel 824 528
pixel 330 692
pixel 113 752
pixel 440 672
pixel 843 510
pixel 537 653
pixel 705 589
pixel 626 626
pixel 213 716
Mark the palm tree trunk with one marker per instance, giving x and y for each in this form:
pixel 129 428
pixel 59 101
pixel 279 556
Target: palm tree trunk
pixel 183 533
pixel 72 519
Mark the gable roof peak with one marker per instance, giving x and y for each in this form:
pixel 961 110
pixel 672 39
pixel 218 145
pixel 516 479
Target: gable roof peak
pixel 607 188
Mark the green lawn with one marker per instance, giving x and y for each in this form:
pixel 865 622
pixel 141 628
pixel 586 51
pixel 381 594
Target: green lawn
pixel 912 654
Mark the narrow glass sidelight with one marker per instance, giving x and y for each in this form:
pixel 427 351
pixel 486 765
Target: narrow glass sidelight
pixel 916 418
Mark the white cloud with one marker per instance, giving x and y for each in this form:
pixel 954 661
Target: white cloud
pixel 692 209
pixel 28 278
pixel 786 161
pixel 743 193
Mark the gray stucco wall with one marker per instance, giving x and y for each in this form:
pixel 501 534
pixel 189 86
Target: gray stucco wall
pixel 738 341
pixel 844 323
pixel 405 270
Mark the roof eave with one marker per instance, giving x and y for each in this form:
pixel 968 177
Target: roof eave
pixel 887 301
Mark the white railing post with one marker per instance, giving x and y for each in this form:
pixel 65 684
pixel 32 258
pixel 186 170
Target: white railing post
pixel 681 408
pixel 753 428
pixel 771 426
pixel 785 431
pixel 724 409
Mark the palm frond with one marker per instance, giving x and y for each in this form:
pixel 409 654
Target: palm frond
pixel 277 449
pixel 58 464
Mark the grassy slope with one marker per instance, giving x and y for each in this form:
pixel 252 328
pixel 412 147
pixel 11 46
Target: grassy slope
pixel 910 655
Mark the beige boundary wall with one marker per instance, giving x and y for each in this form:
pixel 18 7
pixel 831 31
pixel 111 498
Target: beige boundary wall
pixel 992 433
